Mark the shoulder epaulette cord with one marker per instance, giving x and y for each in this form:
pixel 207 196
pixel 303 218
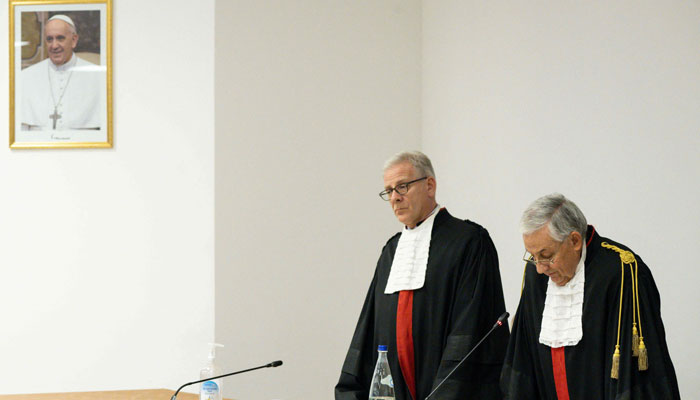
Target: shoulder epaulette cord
pixel 522 284
pixel 638 348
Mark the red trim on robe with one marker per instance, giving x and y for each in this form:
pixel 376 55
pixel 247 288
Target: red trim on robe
pixel 559 370
pixel 590 239
pixel 404 339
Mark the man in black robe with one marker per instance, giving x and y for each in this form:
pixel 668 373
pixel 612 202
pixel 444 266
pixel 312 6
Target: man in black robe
pixel 609 343
pixel 432 302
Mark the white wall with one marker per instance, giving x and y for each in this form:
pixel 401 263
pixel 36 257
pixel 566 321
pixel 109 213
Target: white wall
pixel 596 100
pixel 107 255
pixel 311 98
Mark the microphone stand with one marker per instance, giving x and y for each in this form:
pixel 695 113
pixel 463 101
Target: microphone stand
pixel 498 323
pixel 270 365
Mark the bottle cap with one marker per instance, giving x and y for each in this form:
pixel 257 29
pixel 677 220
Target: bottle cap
pixel 382 347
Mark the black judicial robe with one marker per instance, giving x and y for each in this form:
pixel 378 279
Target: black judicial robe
pixel 527 371
pixel 460 301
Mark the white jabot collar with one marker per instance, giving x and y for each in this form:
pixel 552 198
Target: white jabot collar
pixel 411 257
pixel 563 309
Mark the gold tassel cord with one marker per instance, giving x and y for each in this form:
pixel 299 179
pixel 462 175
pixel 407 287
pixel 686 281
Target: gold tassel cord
pixel 643 361
pixel 522 287
pixel 639 348
pixel 615 371
pixel 626 257
pixel 643 358
pixel 635 335
pixel 522 284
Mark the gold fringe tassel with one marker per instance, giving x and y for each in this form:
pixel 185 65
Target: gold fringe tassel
pixel 643 358
pixel 615 371
pixel 635 335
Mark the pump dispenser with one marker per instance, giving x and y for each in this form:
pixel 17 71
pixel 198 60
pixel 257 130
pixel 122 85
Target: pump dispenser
pixel 211 390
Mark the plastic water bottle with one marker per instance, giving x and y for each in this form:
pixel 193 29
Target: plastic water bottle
pixel 382 387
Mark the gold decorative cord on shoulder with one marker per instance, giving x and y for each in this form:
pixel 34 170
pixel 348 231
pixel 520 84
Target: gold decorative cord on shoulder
pixel 638 348
pixel 522 284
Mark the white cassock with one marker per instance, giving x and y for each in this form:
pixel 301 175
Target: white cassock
pixel 70 94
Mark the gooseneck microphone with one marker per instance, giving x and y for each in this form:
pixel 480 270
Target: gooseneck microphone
pixel 270 365
pixel 501 320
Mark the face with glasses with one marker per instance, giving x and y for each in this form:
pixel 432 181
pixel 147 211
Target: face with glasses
pixel 411 196
pixel 558 260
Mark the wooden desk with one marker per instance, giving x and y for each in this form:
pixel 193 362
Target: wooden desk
pixel 150 394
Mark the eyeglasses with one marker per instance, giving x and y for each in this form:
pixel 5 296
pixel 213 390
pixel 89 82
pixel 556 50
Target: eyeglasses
pixel 530 259
pixel 401 188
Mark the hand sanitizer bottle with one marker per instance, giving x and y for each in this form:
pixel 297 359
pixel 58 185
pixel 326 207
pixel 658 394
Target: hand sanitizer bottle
pixel 211 390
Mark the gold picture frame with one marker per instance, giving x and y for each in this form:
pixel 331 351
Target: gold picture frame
pixel 60 74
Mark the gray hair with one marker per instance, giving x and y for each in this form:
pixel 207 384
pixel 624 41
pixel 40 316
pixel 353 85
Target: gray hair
pixel 420 162
pixel 560 215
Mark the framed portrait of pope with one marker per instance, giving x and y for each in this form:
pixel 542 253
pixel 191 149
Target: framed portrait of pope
pixel 60 74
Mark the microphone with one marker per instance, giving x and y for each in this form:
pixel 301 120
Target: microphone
pixel 270 365
pixel 501 320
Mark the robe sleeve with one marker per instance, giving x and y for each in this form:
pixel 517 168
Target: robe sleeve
pixel 356 374
pixel 477 304
pixel 659 381
pixel 519 377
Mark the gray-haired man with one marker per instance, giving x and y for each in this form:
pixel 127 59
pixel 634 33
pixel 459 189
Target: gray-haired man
pixel 588 325
pixel 436 291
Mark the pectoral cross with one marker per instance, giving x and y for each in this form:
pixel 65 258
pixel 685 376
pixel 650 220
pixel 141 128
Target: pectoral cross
pixel 55 116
